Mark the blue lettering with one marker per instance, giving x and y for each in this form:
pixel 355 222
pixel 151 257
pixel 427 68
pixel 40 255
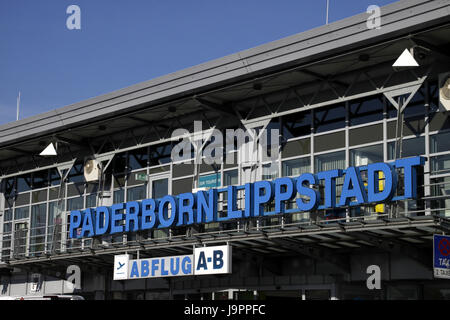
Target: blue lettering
pixel 186 265
pixel 144 268
pixel 155 263
pixel 175 265
pixel 248 212
pixel 164 272
pixel 134 270
pixel 88 224
pixel 312 194
pixel 201 262
pixel 75 223
pixel 409 166
pixel 165 219
pixel 102 216
pixel 148 211
pixel 263 194
pixel 186 208
pixel 207 210
pixel 284 191
pixel 374 194
pixel 352 188
pixel 330 187
pixel 132 209
pixel 217 259
pixel 233 212
pixel 116 216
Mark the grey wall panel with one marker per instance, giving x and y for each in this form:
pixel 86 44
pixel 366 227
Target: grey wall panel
pixel 92 282
pixel 52 286
pixel 414 269
pixel 18 285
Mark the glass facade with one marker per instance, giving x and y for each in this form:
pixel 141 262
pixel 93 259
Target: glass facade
pixel 355 133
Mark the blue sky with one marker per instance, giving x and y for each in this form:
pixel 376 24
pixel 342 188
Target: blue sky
pixel 122 43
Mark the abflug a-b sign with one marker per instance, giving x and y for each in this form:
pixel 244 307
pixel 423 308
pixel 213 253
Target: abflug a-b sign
pixel 202 207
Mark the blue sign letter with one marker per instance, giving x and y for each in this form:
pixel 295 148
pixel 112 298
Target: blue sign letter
pixel 314 195
pixel 284 191
pixel 353 187
pixel 374 194
pixel 261 199
pixel 330 187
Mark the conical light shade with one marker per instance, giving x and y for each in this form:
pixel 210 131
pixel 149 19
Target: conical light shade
pixel 49 151
pixel 405 60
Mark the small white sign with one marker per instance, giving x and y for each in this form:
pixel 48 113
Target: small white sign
pixel 35 279
pixel 121 266
pixel 212 260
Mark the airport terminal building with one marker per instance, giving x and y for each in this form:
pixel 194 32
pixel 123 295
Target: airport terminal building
pixel 305 224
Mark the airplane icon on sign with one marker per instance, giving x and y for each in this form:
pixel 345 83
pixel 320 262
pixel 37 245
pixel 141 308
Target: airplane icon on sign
pixel 120 265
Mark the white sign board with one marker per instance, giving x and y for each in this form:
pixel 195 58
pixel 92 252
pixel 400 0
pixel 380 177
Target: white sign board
pixel 121 263
pixel 212 260
pixel 205 260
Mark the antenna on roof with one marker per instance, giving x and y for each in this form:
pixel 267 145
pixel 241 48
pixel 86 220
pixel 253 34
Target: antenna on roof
pixel 18 106
pixel 328 8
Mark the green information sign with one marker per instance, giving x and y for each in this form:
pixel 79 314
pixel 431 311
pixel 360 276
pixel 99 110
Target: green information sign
pixel 141 177
pixel 209 181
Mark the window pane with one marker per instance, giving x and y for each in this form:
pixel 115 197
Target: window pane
pixel 23 183
pixel 364 156
pixel 119 196
pixel 54 177
pixel 296 148
pixel 439 121
pixel 21 213
pixel 178 186
pixel 366 134
pixel 37 238
pixel 91 200
pixel 364 111
pixel 160 188
pixel 76 174
pixel 296 167
pixel 296 125
pixel 136 193
pixel 330 161
pixel 411 147
pixel 327 119
pixel 440 164
pixel 161 154
pixel 131 178
pixel 40 179
pixel 230 178
pixel 54 226
pixel 7 215
pixel 440 142
pixel 270 171
pixel 75 204
pixel 441 188
pixel 329 141
pixel 39 196
pixel 23 199
pixel 137 159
